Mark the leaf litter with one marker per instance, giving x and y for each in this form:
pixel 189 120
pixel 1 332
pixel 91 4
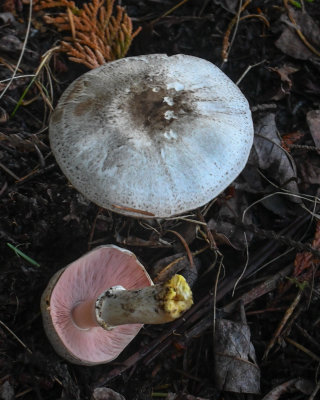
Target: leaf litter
pixel 274 202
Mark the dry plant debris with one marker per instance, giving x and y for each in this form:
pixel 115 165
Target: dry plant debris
pixel 306 264
pixel 313 120
pixel 43 216
pixel 97 36
pixel 305 271
pixel 300 35
pixel 236 369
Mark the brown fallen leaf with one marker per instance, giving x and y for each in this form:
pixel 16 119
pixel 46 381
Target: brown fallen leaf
pixel 284 73
pixel 236 369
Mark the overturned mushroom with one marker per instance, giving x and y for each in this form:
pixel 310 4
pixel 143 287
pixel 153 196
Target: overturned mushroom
pixel 152 136
pixel 95 306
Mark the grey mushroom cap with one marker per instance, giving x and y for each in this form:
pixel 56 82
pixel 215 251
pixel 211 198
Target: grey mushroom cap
pixel 152 136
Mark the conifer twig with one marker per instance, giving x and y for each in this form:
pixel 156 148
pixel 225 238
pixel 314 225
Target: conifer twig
pixel 97 36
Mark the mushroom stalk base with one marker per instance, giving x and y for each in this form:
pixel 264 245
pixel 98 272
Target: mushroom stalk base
pixel 151 305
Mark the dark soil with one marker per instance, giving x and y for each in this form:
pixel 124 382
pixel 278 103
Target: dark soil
pixel 50 222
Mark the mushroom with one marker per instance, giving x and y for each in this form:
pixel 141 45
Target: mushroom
pixel 95 306
pixel 152 135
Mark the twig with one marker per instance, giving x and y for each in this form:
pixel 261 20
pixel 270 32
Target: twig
pixel 133 210
pixel 268 234
pixel 260 290
pixel 282 323
pixel 169 11
pixel 35 172
pixel 247 71
pixel 226 47
pixel 314 342
pixel 226 44
pixel 304 349
pixel 16 337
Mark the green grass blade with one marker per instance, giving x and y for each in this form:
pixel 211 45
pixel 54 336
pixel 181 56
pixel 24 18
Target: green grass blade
pixel 22 97
pixel 24 256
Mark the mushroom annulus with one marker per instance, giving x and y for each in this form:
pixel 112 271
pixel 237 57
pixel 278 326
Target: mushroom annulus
pixel 95 306
pixel 152 135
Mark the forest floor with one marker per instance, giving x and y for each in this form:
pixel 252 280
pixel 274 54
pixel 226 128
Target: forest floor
pixel 254 250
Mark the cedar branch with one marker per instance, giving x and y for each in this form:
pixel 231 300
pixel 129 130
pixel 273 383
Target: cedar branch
pixel 97 36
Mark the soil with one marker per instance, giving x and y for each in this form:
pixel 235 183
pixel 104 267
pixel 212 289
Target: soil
pixel 263 225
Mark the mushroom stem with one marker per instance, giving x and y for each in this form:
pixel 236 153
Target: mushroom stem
pixel 156 304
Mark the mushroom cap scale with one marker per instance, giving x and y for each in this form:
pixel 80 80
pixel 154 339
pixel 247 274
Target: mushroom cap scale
pixel 84 280
pixel 154 133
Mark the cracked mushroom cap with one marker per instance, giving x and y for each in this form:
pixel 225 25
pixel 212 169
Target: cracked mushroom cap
pixel 152 136
pixel 84 280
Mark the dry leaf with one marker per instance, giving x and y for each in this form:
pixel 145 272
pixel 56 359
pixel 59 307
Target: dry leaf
pixel 236 369
pixel 178 263
pixel 184 396
pixel 7 17
pixel 299 384
pixel 313 120
pixel 7 391
pixel 231 6
pixel 290 43
pixel 104 393
pixel 10 44
pixel 284 73
pixel 290 139
pixel 229 211
pixel 268 155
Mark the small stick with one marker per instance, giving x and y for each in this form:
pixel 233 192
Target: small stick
pixel 169 11
pixel 15 336
pixel 260 290
pixel 226 45
pixel 247 71
pixel 133 210
pixel 304 349
pixel 282 323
